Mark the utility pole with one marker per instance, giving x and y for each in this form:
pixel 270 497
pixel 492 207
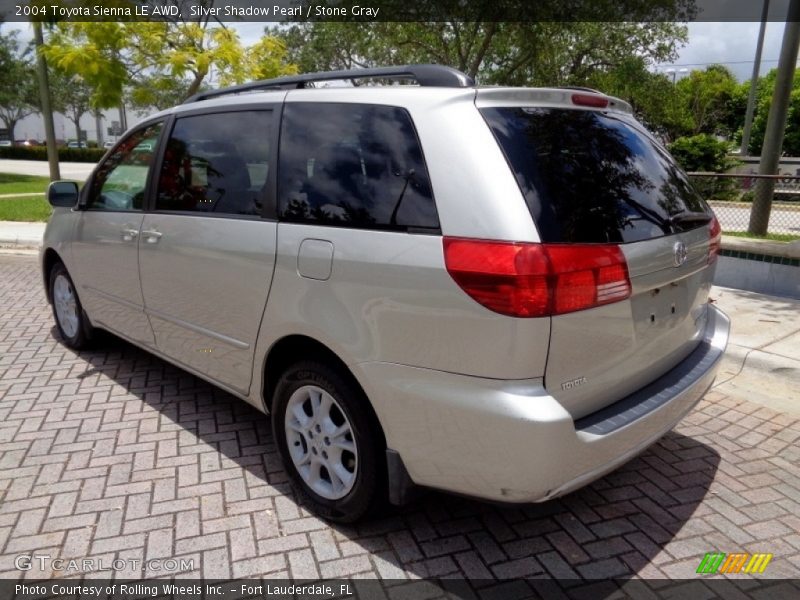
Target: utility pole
pixel 776 123
pixel 44 98
pixel 751 99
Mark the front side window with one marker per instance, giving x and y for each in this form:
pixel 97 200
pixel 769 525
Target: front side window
pixel 353 165
pixel 121 180
pixel 217 163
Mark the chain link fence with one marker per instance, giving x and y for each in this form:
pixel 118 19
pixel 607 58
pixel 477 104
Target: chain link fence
pixel 731 196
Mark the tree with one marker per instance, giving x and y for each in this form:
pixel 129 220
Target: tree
pixel 708 95
pixel 71 97
pixel 177 56
pixel 765 88
pixel 18 97
pixel 652 96
pixel 506 53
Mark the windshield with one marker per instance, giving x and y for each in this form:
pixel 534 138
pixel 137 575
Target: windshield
pixel 592 177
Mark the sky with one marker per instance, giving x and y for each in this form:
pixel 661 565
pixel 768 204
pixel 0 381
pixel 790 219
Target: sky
pixel 731 44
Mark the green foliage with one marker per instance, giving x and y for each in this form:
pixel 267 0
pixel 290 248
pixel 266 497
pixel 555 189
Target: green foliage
pixel 18 91
pixel 710 96
pixel 159 61
pixel 506 53
pixel 702 152
pixel 705 153
pixel 71 96
pixel 87 155
pixel 764 91
pixel 652 96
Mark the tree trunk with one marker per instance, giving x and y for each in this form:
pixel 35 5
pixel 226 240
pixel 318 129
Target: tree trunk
pixel 196 82
pixel 10 124
pixel 98 125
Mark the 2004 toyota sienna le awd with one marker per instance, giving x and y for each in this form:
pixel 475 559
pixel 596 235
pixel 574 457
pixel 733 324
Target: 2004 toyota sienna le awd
pixel 499 292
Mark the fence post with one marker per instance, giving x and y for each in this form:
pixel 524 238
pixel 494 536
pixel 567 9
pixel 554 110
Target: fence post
pixel 776 123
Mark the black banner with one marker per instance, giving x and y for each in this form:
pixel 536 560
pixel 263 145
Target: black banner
pixel 393 589
pixel 390 10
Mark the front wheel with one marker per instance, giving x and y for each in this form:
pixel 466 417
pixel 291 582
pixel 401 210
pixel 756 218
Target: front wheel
pixel 67 309
pixel 329 441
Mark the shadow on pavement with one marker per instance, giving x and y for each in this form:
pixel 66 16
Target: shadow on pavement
pixel 611 529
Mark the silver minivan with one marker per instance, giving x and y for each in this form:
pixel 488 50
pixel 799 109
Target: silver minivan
pixel 497 292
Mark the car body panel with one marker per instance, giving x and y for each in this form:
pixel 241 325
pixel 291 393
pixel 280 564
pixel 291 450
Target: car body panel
pixel 511 441
pixel 205 282
pixel 471 400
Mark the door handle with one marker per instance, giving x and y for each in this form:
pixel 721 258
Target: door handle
pixel 152 236
pixel 128 235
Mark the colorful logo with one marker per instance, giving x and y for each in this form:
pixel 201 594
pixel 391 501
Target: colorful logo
pixel 719 562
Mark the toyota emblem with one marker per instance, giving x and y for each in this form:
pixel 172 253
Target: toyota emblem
pixel 680 253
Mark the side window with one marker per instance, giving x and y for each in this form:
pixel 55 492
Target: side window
pixel 353 165
pixel 217 163
pixel 120 182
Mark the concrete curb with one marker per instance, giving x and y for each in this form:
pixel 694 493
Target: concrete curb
pixel 23 235
pixel 757 246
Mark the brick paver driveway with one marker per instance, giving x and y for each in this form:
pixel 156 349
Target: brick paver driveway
pixel 116 454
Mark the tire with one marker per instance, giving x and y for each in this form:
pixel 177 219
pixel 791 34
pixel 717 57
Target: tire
pixel 348 440
pixel 71 321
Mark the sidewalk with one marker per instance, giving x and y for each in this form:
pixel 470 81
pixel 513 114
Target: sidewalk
pixel 762 362
pixel 69 170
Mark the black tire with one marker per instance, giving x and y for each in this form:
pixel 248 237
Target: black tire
pixel 80 339
pixel 368 493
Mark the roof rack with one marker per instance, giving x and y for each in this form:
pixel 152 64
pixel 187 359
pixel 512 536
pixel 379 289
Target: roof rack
pixel 425 75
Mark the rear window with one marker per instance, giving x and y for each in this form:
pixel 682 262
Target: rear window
pixel 591 177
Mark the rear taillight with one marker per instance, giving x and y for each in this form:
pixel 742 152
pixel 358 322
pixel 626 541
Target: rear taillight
pixel 537 280
pixel 715 240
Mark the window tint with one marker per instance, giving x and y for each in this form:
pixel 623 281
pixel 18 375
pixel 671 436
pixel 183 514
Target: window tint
pixel 120 181
pixel 353 165
pixel 592 177
pixel 217 163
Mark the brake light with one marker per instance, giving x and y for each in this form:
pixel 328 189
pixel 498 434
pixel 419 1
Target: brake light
pixel 536 280
pixel 715 240
pixel 589 100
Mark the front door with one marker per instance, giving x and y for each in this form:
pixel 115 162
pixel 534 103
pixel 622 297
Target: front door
pixel 206 255
pixel 105 250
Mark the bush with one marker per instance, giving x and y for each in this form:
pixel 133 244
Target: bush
pixel 702 153
pixel 87 155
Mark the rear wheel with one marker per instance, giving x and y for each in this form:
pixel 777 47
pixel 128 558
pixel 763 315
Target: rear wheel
pixel 328 441
pixel 70 318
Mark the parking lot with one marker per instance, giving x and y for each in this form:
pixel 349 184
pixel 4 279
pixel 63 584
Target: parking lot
pixel 116 454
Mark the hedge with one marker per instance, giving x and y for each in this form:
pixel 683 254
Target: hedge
pixel 87 155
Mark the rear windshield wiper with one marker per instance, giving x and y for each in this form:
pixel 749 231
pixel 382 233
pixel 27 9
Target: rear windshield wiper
pixel 689 217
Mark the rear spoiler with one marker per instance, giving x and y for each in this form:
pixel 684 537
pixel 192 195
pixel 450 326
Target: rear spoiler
pixel 487 97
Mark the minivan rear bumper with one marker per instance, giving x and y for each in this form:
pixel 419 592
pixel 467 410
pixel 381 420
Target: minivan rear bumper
pixel 510 441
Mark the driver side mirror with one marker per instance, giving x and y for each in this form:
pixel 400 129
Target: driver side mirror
pixel 62 194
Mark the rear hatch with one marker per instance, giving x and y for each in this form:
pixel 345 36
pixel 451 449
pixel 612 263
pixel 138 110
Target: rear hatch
pixel 598 179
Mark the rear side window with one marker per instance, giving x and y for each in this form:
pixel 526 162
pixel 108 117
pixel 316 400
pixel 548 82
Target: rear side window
pixel 217 163
pixel 353 165
pixel 591 177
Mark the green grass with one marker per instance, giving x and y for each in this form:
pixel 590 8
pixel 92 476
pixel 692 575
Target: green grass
pixel 25 208
pixel 775 237
pixel 11 183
